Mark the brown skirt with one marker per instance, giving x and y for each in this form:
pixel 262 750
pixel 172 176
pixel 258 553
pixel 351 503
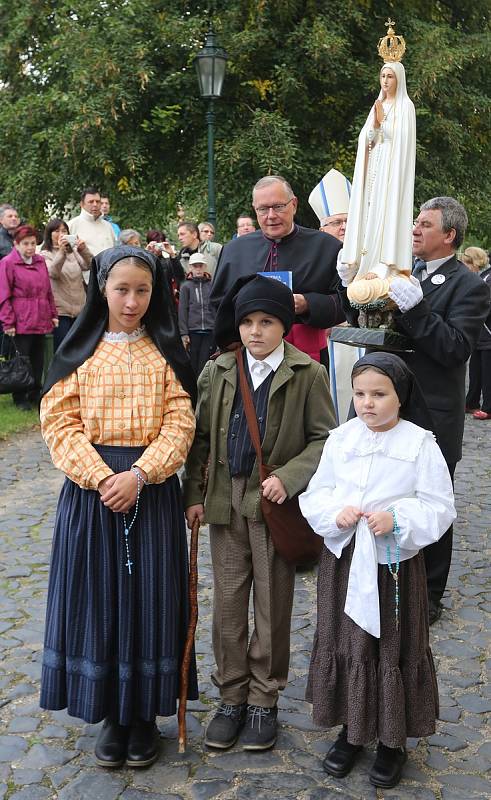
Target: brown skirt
pixel 383 688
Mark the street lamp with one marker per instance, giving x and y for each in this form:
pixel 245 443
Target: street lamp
pixel 210 66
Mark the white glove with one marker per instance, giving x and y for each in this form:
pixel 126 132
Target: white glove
pixel 405 293
pixel 345 271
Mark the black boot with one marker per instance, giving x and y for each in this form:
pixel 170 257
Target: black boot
pixel 341 757
pixel 387 767
pixel 110 748
pixel 143 744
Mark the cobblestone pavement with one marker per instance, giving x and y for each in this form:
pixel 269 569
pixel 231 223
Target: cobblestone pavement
pixel 49 754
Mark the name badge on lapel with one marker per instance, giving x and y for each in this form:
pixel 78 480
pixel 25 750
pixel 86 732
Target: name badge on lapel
pixel 438 279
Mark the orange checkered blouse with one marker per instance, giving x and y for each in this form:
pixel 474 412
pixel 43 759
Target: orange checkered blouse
pixel 125 394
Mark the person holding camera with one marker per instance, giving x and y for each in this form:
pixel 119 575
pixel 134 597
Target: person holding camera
pixel 67 258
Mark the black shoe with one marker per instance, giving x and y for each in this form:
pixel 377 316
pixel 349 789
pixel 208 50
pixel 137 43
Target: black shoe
pixel 223 730
pixel 387 767
pixel 110 747
pixel 341 757
pixel 143 744
pixel 435 609
pixel 24 405
pixel 261 728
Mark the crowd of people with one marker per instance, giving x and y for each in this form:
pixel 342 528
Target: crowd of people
pixel 135 324
pixel 65 250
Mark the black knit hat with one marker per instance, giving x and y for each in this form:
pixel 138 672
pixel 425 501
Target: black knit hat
pixel 268 295
pixel 248 294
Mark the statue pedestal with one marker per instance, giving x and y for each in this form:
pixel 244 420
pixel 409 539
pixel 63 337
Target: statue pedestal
pixel 374 338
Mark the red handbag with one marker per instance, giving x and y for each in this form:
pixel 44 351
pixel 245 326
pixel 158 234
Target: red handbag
pixel 292 537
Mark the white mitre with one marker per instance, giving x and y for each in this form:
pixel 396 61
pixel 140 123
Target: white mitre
pixel 331 195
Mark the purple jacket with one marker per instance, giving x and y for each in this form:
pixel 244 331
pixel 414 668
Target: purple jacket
pixel 26 300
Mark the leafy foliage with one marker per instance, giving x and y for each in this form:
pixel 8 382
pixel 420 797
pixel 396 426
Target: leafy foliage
pixel 106 93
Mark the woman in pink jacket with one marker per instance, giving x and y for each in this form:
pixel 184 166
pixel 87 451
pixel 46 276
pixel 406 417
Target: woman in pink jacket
pixel 27 306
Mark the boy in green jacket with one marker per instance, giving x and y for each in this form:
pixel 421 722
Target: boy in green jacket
pixel 295 413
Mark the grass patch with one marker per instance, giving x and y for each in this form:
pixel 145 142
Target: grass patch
pixel 13 420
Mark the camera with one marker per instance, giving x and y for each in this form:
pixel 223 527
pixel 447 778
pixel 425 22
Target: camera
pixel 71 239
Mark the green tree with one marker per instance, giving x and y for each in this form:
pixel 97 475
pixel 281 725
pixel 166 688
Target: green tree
pixel 106 93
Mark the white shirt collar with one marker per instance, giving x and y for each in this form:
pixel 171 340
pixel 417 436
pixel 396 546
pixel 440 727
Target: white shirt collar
pixel 272 362
pixel 432 266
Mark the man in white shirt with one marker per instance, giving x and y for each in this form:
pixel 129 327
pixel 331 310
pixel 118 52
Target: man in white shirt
pixel 90 225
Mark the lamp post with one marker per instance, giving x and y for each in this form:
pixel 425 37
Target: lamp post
pixel 210 66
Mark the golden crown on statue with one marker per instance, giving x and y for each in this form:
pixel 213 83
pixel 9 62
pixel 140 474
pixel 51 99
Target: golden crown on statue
pixel 391 47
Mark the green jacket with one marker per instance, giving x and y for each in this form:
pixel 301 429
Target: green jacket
pixel 300 415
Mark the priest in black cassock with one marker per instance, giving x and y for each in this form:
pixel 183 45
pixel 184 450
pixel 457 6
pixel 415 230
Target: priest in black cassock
pixel 282 245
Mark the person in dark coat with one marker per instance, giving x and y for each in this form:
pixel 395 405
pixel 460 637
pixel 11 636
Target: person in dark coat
pixel 282 245
pixel 477 260
pixel 441 310
pixel 196 315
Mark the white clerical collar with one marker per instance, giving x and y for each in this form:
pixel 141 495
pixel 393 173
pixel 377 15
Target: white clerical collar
pixel 432 266
pixel 260 370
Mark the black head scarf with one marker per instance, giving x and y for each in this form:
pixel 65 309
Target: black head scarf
pixel 252 293
pixel 160 321
pixel 413 405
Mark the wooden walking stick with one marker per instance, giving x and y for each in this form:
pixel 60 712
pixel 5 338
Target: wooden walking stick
pixel 188 648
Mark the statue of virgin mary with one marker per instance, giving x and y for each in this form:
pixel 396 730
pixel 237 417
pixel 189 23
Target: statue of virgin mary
pixel 378 239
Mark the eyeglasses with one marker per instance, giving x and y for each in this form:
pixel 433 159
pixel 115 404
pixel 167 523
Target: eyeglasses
pixel 278 208
pixel 335 223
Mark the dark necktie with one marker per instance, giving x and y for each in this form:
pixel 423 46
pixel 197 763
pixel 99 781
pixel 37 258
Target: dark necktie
pixel 418 269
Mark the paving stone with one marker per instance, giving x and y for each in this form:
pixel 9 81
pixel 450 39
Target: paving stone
pixel 11 747
pixel 31 793
pixel 324 793
pixel 63 775
pixel 161 777
pixel 41 756
pixel 23 724
pixel 94 785
pixel 475 703
pixel 53 732
pixel 448 742
pixel 208 789
pixel 246 759
pixel 450 714
pixel 436 760
pixel 469 783
pixel 22 777
pixel 135 794
pixel 169 727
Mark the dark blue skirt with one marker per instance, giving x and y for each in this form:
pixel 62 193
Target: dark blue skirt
pixel 114 641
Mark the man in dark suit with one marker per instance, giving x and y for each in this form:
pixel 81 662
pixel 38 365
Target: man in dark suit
pixel 282 245
pixel 441 309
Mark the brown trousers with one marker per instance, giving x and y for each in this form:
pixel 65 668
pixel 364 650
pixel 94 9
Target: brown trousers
pixel 249 671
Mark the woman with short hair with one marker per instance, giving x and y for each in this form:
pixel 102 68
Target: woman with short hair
pixel 27 307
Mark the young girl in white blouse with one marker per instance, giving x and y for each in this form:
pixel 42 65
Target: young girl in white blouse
pixel 382 492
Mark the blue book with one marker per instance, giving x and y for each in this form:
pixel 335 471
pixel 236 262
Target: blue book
pixel 282 275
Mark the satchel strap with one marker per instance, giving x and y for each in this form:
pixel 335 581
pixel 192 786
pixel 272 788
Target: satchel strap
pixel 249 409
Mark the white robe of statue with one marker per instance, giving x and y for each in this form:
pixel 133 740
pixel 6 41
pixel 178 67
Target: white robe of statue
pixel 378 235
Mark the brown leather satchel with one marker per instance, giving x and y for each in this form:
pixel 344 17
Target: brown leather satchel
pixel 293 538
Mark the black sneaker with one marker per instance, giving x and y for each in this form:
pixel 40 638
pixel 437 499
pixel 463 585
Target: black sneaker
pixel 224 728
pixel 261 728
